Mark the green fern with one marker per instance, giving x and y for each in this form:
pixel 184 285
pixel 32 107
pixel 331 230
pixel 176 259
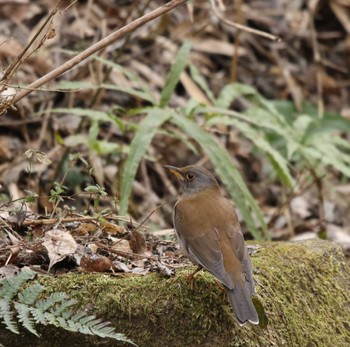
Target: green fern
pixel 6 314
pixel 57 309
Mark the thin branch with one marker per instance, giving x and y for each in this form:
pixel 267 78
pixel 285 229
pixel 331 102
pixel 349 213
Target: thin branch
pixel 38 222
pixel 146 219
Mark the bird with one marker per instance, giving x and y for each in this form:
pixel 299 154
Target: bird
pixel 210 235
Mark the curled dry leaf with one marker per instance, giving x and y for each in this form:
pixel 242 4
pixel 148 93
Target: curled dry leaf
pixel 111 228
pixel 84 229
pixel 59 244
pixel 121 245
pixel 96 263
pixel 13 255
pixel 140 271
pixel 6 96
pixel 164 270
pixel 137 242
pixel 121 266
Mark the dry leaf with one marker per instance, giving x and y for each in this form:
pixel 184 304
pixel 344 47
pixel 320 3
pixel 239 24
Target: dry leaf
pixel 111 228
pixel 84 229
pixel 121 266
pixel 121 245
pixel 137 242
pixel 96 263
pixel 164 270
pixel 59 244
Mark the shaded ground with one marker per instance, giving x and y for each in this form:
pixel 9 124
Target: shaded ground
pixel 308 67
pixel 303 287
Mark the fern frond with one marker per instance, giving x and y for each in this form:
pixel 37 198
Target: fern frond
pixel 25 317
pixel 6 316
pixel 51 318
pixel 55 309
pixel 51 301
pixel 62 307
pixel 95 326
pixel 62 322
pixel 30 294
pixel 39 316
pixel 10 286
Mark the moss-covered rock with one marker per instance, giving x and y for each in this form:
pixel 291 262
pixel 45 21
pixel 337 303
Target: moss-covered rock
pixel 303 286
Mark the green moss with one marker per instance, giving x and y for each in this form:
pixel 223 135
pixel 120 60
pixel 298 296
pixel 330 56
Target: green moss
pixel 155 306
pixel 304 288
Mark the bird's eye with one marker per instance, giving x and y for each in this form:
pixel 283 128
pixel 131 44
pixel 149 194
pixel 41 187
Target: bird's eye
pixel 190 176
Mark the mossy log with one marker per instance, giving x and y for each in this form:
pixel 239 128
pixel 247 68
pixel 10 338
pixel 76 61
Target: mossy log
pixel 303 286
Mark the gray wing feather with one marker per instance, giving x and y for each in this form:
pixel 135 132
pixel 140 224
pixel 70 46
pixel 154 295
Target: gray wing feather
pixel 213 260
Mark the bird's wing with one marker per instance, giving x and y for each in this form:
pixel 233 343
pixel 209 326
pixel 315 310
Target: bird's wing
pixel 207 245
pixel 206 251
pixel 202 245
pixel 238 246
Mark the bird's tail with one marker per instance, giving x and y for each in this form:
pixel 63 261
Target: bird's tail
pixel 242 304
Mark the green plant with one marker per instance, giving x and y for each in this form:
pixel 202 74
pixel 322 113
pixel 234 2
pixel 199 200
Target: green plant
pixel 281 134
pixel 56 194
pixel 31 307
pixel 98 193
pixel 156 116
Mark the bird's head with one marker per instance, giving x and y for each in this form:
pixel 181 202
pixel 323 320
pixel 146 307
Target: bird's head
pixel 194 179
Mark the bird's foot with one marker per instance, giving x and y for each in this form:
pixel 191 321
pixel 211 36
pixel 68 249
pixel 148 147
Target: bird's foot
pixel 191 277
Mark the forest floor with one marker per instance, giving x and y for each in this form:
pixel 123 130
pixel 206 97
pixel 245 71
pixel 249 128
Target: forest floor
pixel 47 138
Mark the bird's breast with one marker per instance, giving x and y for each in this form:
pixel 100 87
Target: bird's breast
pixel 196 215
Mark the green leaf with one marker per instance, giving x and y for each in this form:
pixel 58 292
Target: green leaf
pixel 174 74
pixel 286 108
pixel 138 148
pixel 191 108
pixel 330 155
pixel 131 91
pixel 93 114
pixel 73 85
pixel 255 116
pixel 230 92
pixel 259 141
pixel 131 76
pixel 199 79
pixel 328 123
pixel 228 173
pixel 91 189
pixel 75 140
pixel 93 133
pixel 340 142
pixel 105 147
pixel 10 286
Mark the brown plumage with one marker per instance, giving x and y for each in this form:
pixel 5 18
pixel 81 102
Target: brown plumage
pixel 209 233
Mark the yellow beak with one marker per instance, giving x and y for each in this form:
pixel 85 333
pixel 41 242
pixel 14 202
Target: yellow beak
pixel 175 171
